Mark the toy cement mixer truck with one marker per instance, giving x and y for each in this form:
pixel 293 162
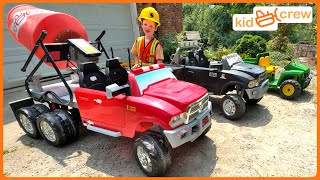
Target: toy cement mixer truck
pixel 150 100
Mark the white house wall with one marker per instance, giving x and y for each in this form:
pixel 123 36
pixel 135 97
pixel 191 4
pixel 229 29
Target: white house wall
pixel 119 21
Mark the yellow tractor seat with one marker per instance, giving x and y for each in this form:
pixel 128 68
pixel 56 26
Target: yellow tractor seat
pixel 265 62
pixel 271 69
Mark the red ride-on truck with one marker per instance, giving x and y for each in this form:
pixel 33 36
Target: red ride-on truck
pixel 148 101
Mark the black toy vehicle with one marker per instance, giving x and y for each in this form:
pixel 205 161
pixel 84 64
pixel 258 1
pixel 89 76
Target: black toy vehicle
pixel 230 74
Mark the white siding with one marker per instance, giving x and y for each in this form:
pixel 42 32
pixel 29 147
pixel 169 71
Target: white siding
pixel 121 30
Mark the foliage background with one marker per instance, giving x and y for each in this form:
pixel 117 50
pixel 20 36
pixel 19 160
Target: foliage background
pixel 214 22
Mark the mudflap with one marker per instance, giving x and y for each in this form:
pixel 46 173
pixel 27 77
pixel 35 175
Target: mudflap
pixel 15 105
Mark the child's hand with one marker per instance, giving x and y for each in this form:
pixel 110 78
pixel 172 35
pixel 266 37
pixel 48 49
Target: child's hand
pixel 135 66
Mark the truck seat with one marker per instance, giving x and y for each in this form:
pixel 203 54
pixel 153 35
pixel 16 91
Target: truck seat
pixel 91 77
pixel 202 59
pixel 116 72
pixel 191 60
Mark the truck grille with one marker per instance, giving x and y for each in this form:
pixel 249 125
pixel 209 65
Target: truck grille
pixel 196 108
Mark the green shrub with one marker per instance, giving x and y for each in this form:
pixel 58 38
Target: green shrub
pixel 278 43
pixel 250 45
pixel 169 44
pixel 210 54
pixel 243 56
pixel 217 55
pixel 279 59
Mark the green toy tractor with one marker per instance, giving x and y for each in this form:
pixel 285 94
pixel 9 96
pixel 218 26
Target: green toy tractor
pixel 291 81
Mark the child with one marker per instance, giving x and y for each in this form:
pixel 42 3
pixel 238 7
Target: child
pixel 147 48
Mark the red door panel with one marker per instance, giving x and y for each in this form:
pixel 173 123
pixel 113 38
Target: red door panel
pixel 94 106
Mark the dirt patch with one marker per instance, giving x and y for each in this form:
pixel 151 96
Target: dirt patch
pixel 276 137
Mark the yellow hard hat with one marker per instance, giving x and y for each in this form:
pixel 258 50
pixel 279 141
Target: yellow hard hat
pixel 151 14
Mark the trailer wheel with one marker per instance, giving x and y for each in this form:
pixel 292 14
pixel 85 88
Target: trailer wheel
pixel 290 89
pixel 27 117
pixel 57 127
pixel 233 106
pixel 153 157
pixel 75 115
pixel 71 123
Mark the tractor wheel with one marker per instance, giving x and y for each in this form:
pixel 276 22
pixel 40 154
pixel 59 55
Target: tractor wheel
pixel 290 89
pixel 27 117
pixel 152 156
pixel 57 127
pixel 233 106
pixel 306 85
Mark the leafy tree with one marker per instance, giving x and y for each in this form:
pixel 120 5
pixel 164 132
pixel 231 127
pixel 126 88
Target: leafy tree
pixel 250 45
pixel 294 33
pixel 214 22
pixel 169 43
pixel 278 43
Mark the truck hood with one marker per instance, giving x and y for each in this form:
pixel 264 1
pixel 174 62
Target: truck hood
pixel 178 93
pixel 253 70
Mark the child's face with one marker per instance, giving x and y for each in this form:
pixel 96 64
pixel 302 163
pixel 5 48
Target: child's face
pixel 148 27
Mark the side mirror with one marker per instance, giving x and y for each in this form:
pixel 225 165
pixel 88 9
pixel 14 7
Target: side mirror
pixel 114 90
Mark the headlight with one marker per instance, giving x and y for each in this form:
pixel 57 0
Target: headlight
pixel 178 119
pixel 253 83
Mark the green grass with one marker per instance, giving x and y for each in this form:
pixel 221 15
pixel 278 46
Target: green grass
pixel 30 144
pixel 10 150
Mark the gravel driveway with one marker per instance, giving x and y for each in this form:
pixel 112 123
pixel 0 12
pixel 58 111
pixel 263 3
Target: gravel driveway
pixel 275 138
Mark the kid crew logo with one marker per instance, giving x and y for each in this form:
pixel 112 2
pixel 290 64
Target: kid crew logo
pixel 265 18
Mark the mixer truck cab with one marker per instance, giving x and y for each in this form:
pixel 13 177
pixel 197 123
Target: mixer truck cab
pixel 148 102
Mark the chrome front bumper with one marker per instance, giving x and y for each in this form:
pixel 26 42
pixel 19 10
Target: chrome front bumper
pixel 189 132
pixel 258 92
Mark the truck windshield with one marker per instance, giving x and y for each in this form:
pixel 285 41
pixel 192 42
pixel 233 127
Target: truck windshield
pixel 233 59
pixel 146 79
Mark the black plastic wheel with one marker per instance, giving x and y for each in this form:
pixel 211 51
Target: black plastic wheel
pixel 307 84
pixel 27 117
pixel 152 156
pixel 232 106
pixel 71 122
pixel 290 89
pixel 57 127
pixel 76 115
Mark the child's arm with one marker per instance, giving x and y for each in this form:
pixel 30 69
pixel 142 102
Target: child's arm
pixel 159 61
pixel 159 54
pixel 136 62
pixel 134 52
